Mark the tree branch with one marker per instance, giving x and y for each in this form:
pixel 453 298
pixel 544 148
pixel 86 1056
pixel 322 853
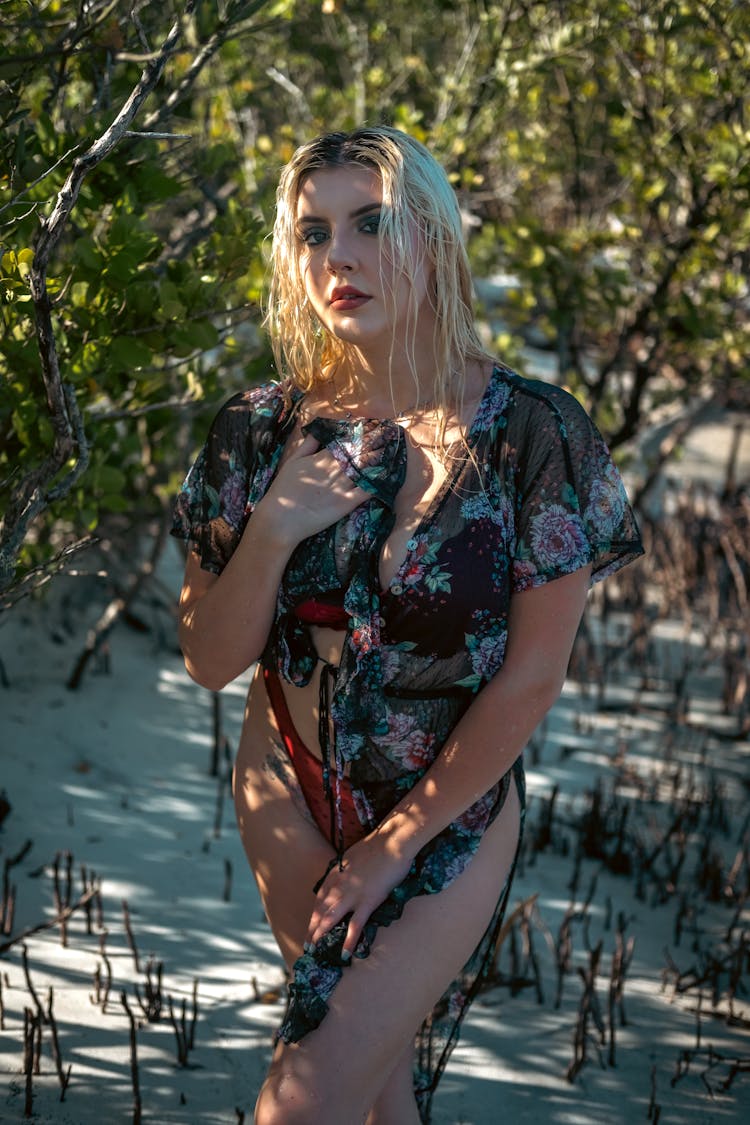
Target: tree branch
pixel 652 302
pixel 32 495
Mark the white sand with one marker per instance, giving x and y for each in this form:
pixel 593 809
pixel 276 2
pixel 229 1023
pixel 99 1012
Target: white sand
pixel 116 774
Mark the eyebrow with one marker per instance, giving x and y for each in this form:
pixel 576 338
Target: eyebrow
pixel 352 214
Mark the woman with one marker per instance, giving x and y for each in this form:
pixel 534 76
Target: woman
pixel 402 533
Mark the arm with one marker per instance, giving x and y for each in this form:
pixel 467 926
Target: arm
pixel 483 746
pixel 224 620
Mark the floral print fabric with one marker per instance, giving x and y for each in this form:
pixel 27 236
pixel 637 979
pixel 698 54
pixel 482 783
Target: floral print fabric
pixel 534 495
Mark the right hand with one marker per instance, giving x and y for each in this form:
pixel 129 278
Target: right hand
pixel 309 493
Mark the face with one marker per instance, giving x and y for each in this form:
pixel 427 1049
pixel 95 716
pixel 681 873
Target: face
pixel 345 266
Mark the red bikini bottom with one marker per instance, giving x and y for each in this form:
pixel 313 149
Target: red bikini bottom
pixel 309 771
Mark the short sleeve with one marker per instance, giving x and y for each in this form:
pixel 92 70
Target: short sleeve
pixel 571 506
pixel 210 511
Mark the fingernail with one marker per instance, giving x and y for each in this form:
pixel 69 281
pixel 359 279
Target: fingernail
pixel 346 955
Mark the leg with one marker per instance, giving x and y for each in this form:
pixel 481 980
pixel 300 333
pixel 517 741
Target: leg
pixel 335 1075
pixel 395 1103
pixel 286 851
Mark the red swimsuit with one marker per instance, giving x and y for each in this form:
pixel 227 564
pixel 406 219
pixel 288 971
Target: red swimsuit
pixel 308 767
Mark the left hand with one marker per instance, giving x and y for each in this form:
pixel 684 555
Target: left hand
pixel 370 872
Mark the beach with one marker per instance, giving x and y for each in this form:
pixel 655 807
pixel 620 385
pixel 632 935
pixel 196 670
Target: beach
pixel 112 786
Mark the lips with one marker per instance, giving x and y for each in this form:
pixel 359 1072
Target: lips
pixel 347 297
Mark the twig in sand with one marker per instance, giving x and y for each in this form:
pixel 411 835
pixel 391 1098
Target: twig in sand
pixel 152 990
pixel 61 1074
pixel 62 898
pixel 223 786
pixel 191 1036
pixel 621 960
pixel 129 933
pixel 50 925
pixel 133 1062
pixel 29 985
pixel 89 880
pixel 588 1010
pixel 563 952
pixel 654 1110
pixel 185 1037
pixel 531 961
pixel 102 987
pixel 32 1035
pixel 7 910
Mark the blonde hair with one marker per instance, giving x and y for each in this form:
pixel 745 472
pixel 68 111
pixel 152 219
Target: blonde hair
pixel 416 193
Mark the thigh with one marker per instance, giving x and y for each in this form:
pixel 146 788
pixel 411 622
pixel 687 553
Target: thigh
pixel 380 1002
pixel 285 848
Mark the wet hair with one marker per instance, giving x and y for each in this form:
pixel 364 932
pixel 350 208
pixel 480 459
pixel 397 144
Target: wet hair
pixel 416 195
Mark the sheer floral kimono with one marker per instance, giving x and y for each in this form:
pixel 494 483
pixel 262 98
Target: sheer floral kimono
pixel 531 496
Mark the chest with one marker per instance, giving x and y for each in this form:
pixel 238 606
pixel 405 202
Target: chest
pixel 426 477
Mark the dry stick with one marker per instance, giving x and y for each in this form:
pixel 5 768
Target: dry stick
pixel 99 906
pixel 50 925
pixel 563 952
pixel 654 1110
pixel 152 989
pixel 29 985
pixel 108 966
pixel 507 928
pixel 133 1062
pixel 734 921
pixel 102 988
pixel 218 740
pixel 64 1077
pixel 30 1021
pixel 88 879
pixel 8 912
pixel 129 933
pixel 588 1009
pixel 621 960
pixel 62 898
pixel 223 786
pixel 9 891
pixel 194 1018
pixel 544 828
pixel 531 958
pixel 180 1033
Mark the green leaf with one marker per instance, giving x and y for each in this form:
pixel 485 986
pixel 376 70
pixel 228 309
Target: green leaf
pixel 128 352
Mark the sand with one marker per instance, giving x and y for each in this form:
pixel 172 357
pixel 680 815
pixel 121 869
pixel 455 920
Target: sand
pixel 117 775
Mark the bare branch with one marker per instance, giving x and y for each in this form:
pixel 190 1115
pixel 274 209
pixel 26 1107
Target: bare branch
pixel 41 574
pixel 17 198
pixel 227 27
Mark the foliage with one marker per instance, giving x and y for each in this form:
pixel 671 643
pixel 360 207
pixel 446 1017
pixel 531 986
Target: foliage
pixel 599 150
pixel 158 270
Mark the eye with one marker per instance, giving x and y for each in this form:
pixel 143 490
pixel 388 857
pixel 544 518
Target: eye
pixel 371 225
pixel 313 236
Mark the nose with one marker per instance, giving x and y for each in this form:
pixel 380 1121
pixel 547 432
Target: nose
pixel 341 257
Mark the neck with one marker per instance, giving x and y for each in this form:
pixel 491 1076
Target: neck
pixel 384 385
